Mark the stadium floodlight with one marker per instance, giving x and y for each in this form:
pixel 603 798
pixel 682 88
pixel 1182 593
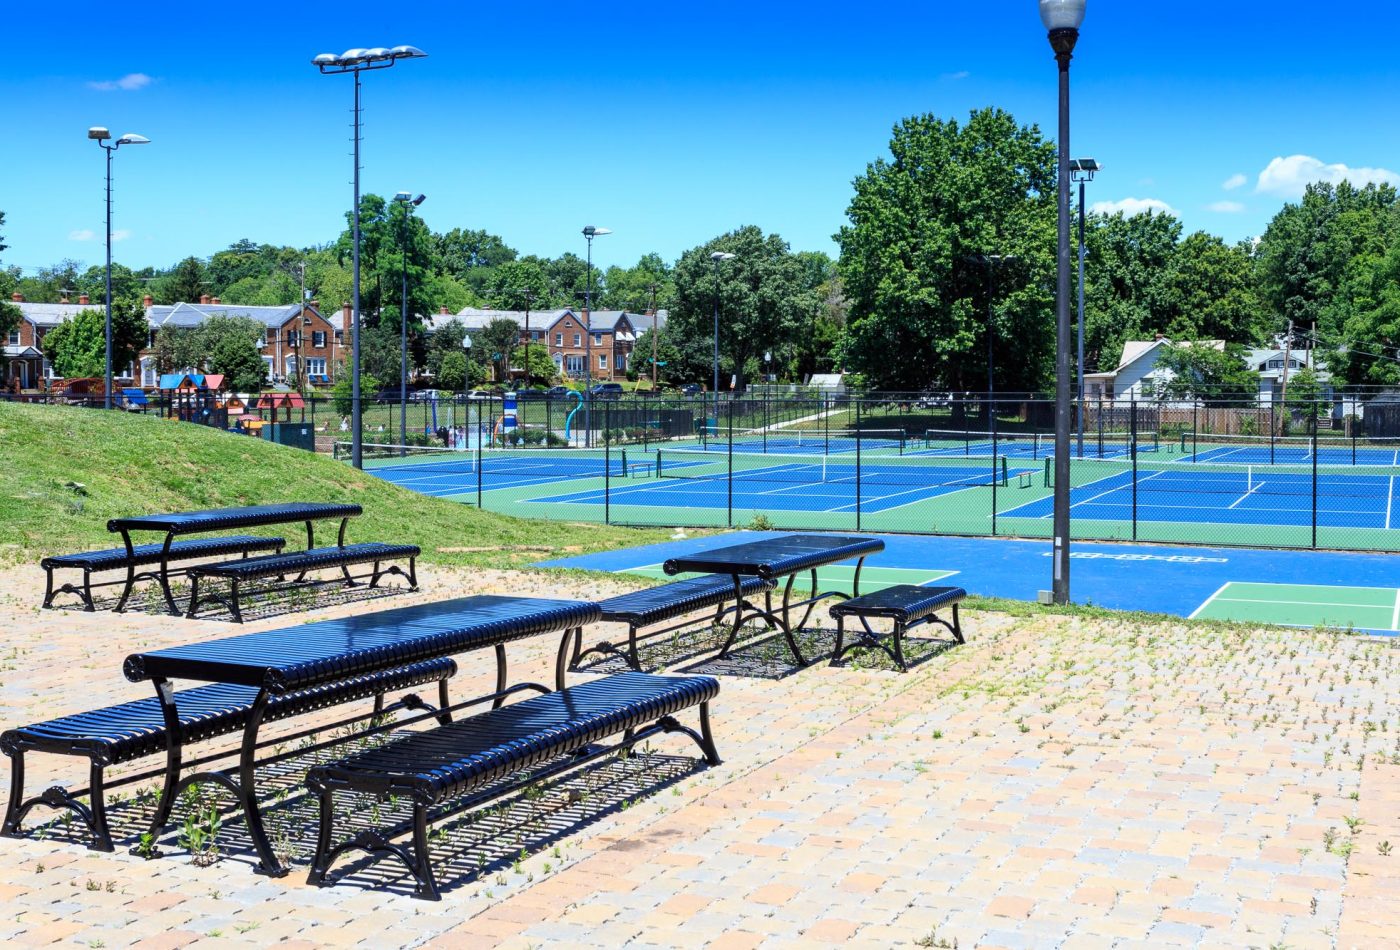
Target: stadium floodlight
pixel 1062 19
pixel 100 135
pixel 1081 170
pixel 589 233
pixel 718 257
pixel 356 61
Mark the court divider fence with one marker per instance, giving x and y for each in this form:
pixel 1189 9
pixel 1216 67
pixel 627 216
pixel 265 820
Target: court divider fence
pixel 1179 472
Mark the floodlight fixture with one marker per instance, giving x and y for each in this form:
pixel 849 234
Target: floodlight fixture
pixel 1062 14
pixel 99 133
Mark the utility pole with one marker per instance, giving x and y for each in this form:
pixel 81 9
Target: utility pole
pixel 1287 358
pixel 652 289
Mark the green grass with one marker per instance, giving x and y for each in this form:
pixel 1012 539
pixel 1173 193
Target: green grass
pixel 129 465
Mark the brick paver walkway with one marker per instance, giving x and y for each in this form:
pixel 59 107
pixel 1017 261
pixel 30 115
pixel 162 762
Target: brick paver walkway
pixel 1058 782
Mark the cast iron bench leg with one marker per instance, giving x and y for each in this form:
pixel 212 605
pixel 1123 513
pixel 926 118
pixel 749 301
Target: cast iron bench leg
pixel 248 792
pixel 423 872
pixel 13 813
pixel 48 587
pixel 194 596
pixel 130 572
pixel 165 576
pixel 233 601
pixel 97 802
pixel 899 647
pixel 957 625
pixel 840 639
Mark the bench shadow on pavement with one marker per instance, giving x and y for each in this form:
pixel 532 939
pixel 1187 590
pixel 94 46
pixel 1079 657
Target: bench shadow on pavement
pixel 280 600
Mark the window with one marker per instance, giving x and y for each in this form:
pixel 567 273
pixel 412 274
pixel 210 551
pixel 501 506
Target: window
pixel 339 336
pixel 14 337
pixel 602 361
pixel 267 367
pixel 1148 387
pixel 573 364
pixel 294 338
pixel 1275 364
pixel 578 340
pixel 621 362
pixel 558 339
pixel 291 366
pixel 318 338
pixel 597 339
pixel 316 366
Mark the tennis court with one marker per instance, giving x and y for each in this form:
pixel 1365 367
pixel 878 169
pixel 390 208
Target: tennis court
pixel 1346 591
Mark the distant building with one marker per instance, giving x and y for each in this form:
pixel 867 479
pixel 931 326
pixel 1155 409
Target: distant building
pixel 563 334
pixel 1277 363
pixel 1137 377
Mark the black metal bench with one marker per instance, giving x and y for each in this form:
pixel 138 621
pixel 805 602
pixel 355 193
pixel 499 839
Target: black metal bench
pixel 557 731
pixel 908 606
pixel 138 729
pixel 653 605
pixel 144 555
pixel 300 563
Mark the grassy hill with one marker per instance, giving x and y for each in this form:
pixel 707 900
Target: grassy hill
pixel 128 464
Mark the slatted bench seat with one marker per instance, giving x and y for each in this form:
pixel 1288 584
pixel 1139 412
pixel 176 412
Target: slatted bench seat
pixel 143 555
pixel 908 606
pixel 138 729
pixel 557 731
pixel 653 605
pixel 300 563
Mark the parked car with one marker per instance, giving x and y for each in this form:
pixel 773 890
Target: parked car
pixel 426 395
pixel 557 392
pixel 386 397
pixel 692 389
pixel 529 395
pixel 606 391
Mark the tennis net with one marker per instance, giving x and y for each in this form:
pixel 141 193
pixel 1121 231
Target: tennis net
pixel 823 441
pixel 912 471
pixel 404 461
pixel 1033 444
pixel 1285 449
pixel 1187 477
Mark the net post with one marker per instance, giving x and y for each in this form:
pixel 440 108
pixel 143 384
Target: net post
pixel 994 468
pixel 480 461
pixel 1100 427
pixel 1349 421
pixel 1194 427
pixel 1273 429
pixel 1133 450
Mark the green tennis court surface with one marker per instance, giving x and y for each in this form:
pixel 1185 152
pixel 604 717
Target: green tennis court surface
pixel 1302 605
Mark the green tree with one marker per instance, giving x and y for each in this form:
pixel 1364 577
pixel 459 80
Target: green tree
pixel 239 359
pixel 912 255
pixel 51 284
pixel 519 284
pixel 10 316
pixel 446 338
pixel 342 398
pixel 185 283
pixel 497 340
pixel 1201 371
pixel 1209 291
pixel 452 371
pixel 1363 348
pixel 763 300
pixel 672 369
pixel 1304 392
pixel 634 288
pixel 1127 260
pixel 77 347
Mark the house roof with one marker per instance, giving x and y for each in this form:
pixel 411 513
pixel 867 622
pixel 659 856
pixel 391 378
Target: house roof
pixel 193 314
pixel 52 314
pixel 599 321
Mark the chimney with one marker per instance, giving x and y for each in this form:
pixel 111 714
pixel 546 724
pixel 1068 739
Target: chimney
pixel 315 305
pixel 215 300
pixel 204 298
pixel 346 316
pixel 148 301
pixel 443 310
pixel 1158 337
pixel 17 297
pixel 84 300
pixel 63 299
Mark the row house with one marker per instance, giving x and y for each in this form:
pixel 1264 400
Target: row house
pixel 295 339
pixel 564 333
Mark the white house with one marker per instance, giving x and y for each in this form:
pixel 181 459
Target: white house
pixel 1137 377
pixel 1270 363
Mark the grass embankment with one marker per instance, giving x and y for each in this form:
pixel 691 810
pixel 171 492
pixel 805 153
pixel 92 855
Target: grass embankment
pixel 65 471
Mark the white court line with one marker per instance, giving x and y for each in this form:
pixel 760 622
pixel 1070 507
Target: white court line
pixel 1299 603
pixel 1085 485
pixel 1395 614
pixel 1251 491
pixel 1192 615
pixel 1127 487
pixel 1389 501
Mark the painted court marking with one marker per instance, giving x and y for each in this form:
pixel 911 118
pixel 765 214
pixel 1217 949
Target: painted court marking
pixel 1304 605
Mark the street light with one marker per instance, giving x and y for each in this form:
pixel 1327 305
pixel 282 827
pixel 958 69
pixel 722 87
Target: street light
pixel 100 135
pixel 1081 170
pixel 356 61
pixel 589 233
pixel 409 202
pixel 717 257
pixel 1062 18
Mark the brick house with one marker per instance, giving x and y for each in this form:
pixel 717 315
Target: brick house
pixel 562 332
pixel 291 333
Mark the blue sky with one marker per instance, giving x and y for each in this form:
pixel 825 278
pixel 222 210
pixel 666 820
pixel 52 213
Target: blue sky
pixel 667 123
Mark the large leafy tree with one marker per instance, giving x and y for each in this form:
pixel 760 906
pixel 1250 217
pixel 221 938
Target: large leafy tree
pixel 186 282
pixel 1204 372
pixel 238 358
pixel 635 288
pixel 913 255
pixel 1209 290
pixel 1127 259
pixel 519 284
pixel 77 346
pixel 50 284
pixel 1365 347
pixel 763 300
pixel 497 340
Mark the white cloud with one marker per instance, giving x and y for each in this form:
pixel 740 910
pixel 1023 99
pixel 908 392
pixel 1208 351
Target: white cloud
pixel 1236 180
pixel 128 83
pixel 1289 177
pixel 121 234
pixel 82 234
pixel 960 74
pixel 1225 207
pixel 1131 206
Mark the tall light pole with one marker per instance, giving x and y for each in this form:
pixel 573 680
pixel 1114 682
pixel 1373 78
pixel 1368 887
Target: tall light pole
pixel 716 257
pixel 1081 170
pixel 409 202
pixel 589 233
pixel 100 135
pixel 355 62
pixel 1062 18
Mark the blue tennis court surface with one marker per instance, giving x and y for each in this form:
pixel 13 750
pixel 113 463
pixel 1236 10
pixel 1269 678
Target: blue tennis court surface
pixel 1302 588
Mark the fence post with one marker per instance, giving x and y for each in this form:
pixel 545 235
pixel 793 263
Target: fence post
pixel 859 440
pixel 1133 448
pixel 995 459
pixel 1194 406
pixel 480 464
pixel 729 482
pixel 607 463
pixel 1314 477
pixel 1273 429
